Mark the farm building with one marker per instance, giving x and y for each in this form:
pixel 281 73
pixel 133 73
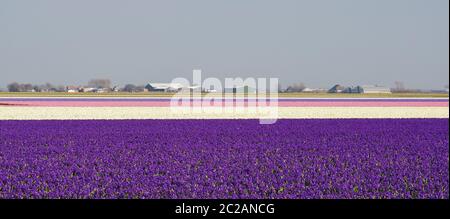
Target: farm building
pixel 313 90
pixel 164 87
pixel 373 89
pixel 87 89
pixel 307 90
pixel 337 89
pixel 72 89
pixel 364 89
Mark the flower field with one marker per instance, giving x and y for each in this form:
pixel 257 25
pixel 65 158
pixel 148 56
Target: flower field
pixel 160 108
pixel 111 113
pixel 281 102
pixel 293 158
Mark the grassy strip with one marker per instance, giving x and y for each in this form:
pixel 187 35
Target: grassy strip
pixel 159 94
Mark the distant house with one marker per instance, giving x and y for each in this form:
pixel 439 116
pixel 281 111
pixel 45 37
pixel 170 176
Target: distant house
pixel 209 90
pixel 115 89
pixel 337 89
pixel 72 89
pixel 164 87
pixel 102 90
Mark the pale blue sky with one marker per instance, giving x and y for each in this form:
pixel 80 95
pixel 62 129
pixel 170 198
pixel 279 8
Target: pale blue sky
pixel 318 42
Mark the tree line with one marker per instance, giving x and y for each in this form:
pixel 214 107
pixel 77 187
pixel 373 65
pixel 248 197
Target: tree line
pixel 103 84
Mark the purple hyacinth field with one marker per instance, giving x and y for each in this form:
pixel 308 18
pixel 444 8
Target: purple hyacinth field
pixel 209 159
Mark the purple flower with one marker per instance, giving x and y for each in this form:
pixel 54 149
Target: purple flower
pixel 294 158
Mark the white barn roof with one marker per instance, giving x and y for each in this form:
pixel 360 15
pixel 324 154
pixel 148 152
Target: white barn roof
pixel 165 86
pixel 375 89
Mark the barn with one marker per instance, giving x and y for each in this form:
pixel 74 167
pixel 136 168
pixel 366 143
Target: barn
pixel 374 89
pixel 164 87
pixel 337 89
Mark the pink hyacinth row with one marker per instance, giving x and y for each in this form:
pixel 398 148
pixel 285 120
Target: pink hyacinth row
pixel 166 103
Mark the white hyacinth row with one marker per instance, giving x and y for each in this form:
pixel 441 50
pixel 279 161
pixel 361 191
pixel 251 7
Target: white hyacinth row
pixel 73 113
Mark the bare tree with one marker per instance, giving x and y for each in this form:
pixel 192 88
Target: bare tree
pixel 47 87
pixel 37 88
pixel 280 88
pixel 129 88
pixel 399 86
pixel 61 88
pixel 297 87
pixel 100 83
pixel 14 87
pixel 27 87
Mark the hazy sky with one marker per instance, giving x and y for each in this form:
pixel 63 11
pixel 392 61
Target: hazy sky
pixel 318 42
